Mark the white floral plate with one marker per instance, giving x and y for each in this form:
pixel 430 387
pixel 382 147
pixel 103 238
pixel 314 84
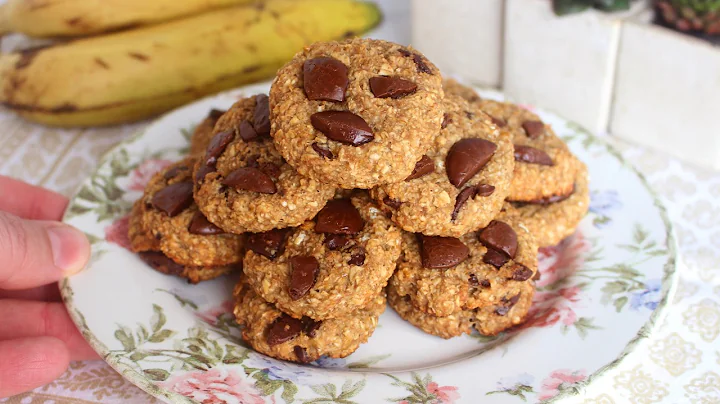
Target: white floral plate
pixel 601 293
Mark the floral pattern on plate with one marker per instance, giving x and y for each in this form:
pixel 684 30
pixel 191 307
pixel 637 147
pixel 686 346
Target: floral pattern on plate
pixel 601 292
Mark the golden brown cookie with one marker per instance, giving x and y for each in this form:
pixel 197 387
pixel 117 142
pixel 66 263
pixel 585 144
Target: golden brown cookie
pixel 243 184
pixel 551 220
pixel 327 267
pixel 203 133
pixel 449 326
pixel 169 232
pixel 357 113
pixel 443 275
pixel 274 333
pixel 460 183
pixel 488 320
pixel 544 166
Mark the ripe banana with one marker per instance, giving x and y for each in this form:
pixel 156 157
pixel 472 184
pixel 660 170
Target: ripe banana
pixel 56 18
pixel 136 74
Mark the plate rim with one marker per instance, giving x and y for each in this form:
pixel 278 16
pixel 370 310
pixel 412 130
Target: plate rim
pixel 669 283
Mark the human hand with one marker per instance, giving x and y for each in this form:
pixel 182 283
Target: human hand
pixel 37 337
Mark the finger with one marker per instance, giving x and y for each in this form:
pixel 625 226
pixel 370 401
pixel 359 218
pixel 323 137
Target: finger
pixel 30 362
pixel 22 319
pixel 45 293
pixel 30 202
pixel 36 253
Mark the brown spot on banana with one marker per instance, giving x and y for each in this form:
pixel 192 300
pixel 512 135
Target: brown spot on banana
pixel 139 56
pixel 252 68
pixel 27 56
pixel 74 21
pixel 102 63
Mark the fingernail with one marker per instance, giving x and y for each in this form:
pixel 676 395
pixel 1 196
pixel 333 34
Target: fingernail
pixel 70 248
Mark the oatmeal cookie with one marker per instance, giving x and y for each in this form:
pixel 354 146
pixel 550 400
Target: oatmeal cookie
pixel 242 184
pixel 203 133
pixel 460 184
pixel 452 325
pixel 169 232
pixel 274 333
pixel 550 220
pixel 357 113
pixel 327 267
pixel 544 166
pixel 443 275
pixel 488 320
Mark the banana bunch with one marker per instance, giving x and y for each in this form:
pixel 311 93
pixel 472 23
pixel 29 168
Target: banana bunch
pixel 60 18
pixel 134 74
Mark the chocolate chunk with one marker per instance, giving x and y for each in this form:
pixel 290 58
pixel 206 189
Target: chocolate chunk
pixel 357 256
pixel 499 122
pixel 215 114
pixel 485 189
pixel 446 120
pixel 261 118
pixel 323 151
pixel 252 161
pixel 247 132
pixel 537 276
pixel 473 281
pixel 499 236
pixel 161 262
pixel 533 128
pixel 521 273
pixel 422 168
pixel 422 67
pixel 495 258
pixel 250 179
pixel 283 329
pixel 301 354
pixel 466 157
pixel 173 172
pixel 442 252
pixel 342 126
pixel 336 241
pixel 304 274
pixel 391 87
pixel 460 200
pixel 325 79
pixel 339 216
pixel 311 327
pixel 269 244
pixel 174 198
pixel 392 203
pixel 506 305
pixel 200 225
pixel 217 145
pixel 469 115
pixel 531 155
pixel 203 171
pixel 273 170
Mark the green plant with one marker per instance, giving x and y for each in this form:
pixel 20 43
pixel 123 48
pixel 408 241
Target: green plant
pixel 690 15
pixel 565 7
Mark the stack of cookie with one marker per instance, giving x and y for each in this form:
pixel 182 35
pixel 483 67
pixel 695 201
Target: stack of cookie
pixel 360 171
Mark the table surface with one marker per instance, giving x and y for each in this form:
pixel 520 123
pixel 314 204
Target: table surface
pixel 680 363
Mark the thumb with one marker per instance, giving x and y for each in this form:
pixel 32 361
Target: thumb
pixel 34 252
